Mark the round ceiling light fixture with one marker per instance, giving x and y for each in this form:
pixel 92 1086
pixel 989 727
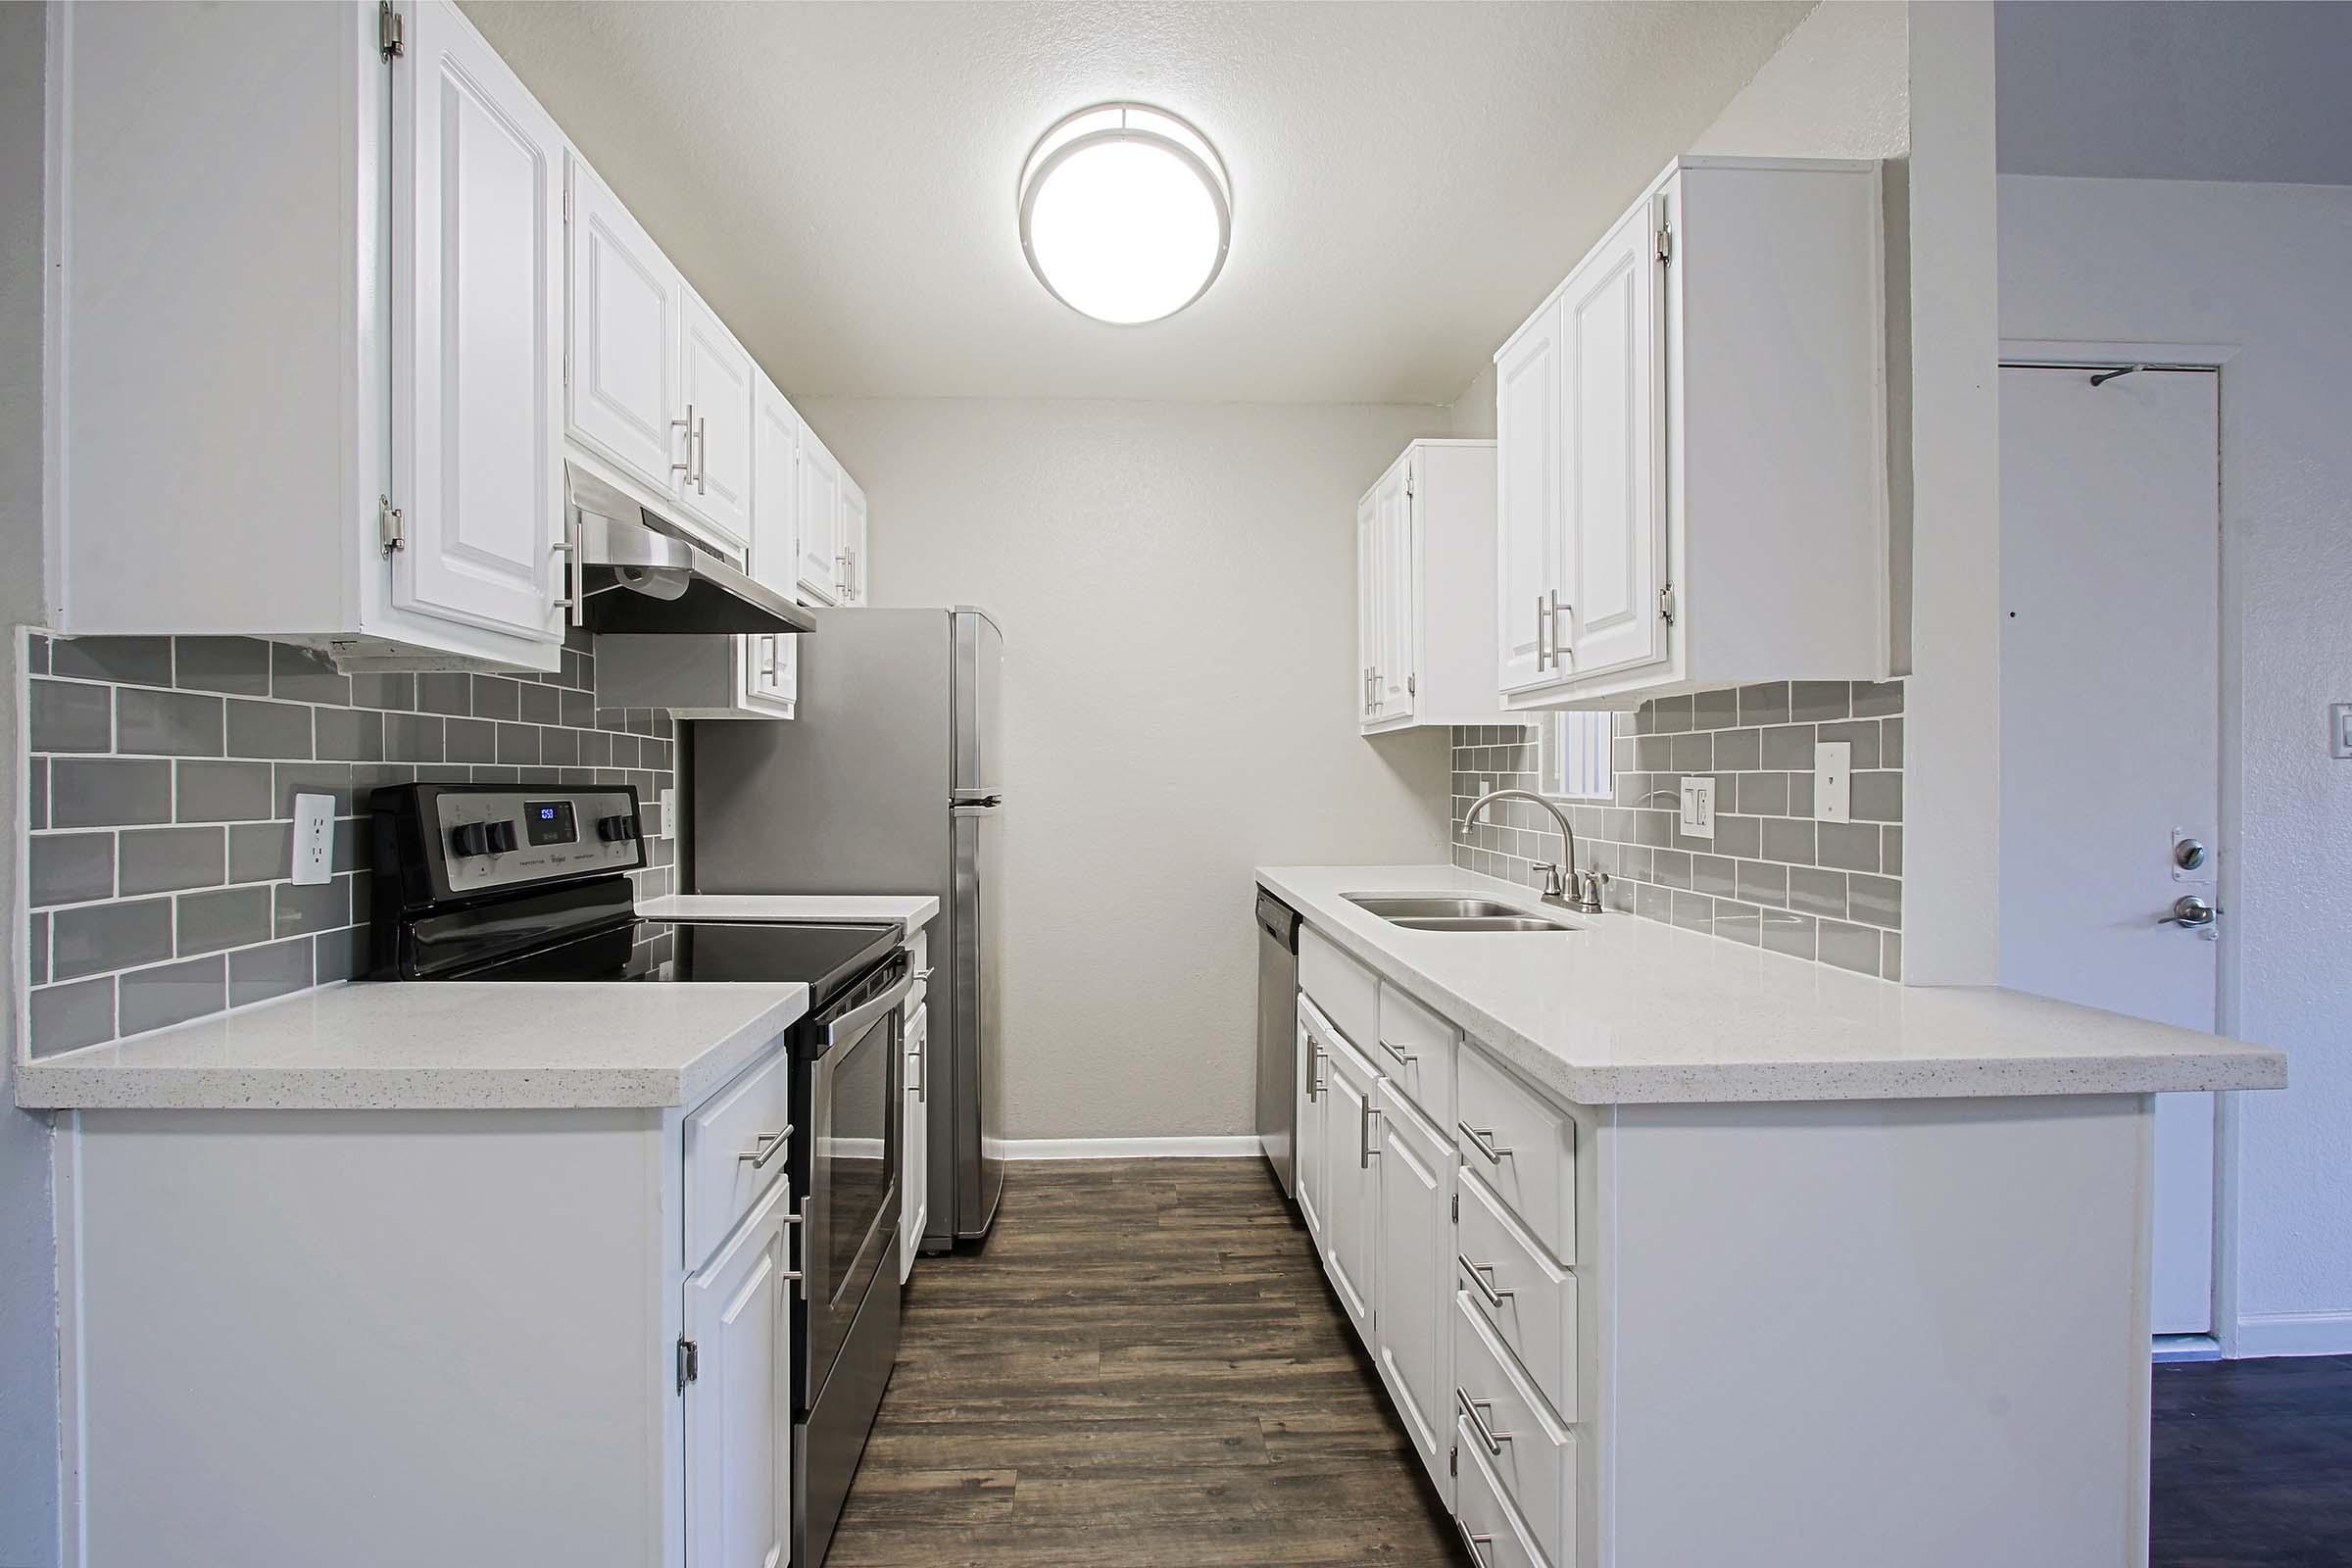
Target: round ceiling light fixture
pixel 1126 212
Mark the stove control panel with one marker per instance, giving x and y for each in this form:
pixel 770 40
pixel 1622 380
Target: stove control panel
pixel 513 837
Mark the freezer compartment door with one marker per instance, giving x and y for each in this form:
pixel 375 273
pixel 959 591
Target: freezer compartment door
pixel 979 670
pixel 979 1131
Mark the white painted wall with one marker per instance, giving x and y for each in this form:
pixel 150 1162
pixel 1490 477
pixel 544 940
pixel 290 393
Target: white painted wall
pixel 29 1452
pixel 2158 261
pixel 1838 86
pixel 1176 584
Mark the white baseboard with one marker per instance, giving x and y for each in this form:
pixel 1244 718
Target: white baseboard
pixel 2263 1334
pixel 1203 1148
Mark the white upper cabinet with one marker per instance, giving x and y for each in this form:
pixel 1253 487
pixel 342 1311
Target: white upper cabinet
pixel 1693 436
pixel 816 569
pixel 355 355
pixel 775 486
pixel 851 542
pixel 717 378
pixel 1425 575
pixel 477 332
pixel 627 304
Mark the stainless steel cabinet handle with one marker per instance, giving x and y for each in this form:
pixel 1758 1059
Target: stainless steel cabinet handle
pixel 1481 1138
pixel 1406 1056
pixel 1476 1544
pixel 1487 1435
pixel 569 547
pixel 1559 644
pixel 1544 655
pixel 768 657
pixel 800 1217
pixel 915 1059
pixel 766 1147
pixel 686 425
pixel 1478 1273
pixel 702 459
pixel 1364 1112
pixel 1314 1077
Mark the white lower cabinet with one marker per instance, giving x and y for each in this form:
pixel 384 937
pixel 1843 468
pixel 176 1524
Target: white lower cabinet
pixel 738 1319
pixel 1466 1300
pixel 915 1193
pixel 1414 1174
pixel 448 1335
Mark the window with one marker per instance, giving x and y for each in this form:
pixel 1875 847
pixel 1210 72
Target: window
pixel 1575 756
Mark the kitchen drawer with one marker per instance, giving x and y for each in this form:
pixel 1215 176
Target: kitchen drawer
pixel 1494 1534
pixel 1532 1456
pixel 1347 992
pixel 1519 1144
pixel 748 1116
pixel 1527 1300
pixel 1416 1052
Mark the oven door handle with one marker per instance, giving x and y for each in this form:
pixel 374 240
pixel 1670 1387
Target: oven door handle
pixel 851 1024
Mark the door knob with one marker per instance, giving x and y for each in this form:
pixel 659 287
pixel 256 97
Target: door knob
pixel 2191 914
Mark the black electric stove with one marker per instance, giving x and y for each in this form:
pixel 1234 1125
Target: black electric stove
pixel 500 882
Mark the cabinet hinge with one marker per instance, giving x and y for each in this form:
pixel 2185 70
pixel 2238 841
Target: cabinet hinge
pixel 1666 243
pixel 391 31
pixel 690 1362
pixel 1454 1460
pixel 567 366
pixel 1412 685
pixel 1457 1208
pixel 391 529
pixel 1666 604
pixel 1408 484
pixel 567 204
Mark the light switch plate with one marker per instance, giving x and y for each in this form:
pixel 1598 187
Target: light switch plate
pixel 1833 781
pixel 314 839
pixel 2339 731
pixel 1698 809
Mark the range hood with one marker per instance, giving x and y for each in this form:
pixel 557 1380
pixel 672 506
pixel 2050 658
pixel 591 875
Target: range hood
pixel 639 573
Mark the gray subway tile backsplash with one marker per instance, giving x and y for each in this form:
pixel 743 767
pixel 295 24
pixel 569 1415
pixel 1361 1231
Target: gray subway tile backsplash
pixel 161 786
pixel 1771 876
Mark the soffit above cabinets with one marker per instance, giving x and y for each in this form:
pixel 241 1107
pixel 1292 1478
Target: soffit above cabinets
pixel 839 180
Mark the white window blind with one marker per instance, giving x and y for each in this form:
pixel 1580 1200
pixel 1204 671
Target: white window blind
pixel 1575 756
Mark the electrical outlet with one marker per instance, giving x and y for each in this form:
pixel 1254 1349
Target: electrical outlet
pixel 314 839
pixel 1698 809
pixel 1833 781
pixel 669 810
pixel 2339 731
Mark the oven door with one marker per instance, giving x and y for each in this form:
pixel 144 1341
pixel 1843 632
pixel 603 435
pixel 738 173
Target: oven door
pixel 854 1156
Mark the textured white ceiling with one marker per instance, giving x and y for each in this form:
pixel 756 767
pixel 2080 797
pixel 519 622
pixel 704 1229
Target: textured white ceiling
pixel 838 179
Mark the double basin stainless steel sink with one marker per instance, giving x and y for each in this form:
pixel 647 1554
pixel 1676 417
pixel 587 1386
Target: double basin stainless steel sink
pixel 1439 912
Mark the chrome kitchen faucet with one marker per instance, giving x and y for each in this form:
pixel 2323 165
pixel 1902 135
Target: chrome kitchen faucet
pixel 1557 880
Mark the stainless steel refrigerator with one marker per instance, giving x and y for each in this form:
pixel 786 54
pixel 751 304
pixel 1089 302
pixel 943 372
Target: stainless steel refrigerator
pixel 886 782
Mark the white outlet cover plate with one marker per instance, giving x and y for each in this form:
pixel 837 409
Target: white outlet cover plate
pixel 314 840
pixel 1698 809
pixel 1833 781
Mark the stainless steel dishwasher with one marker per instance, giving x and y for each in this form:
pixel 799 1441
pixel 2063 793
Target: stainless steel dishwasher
pixel 1278 1036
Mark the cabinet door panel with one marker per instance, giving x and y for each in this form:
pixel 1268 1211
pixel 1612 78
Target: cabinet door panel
pixel 1393 689
pixel 737 1407
pixel 1414 1173
pixel 627 305
pixel 477 225
pixel 851 546
pixel 716 380
pixel 1351 1200
pixel 1368 605
pixel 776 487
pixel 1527 499
pixel 1614 531
pixel 816 569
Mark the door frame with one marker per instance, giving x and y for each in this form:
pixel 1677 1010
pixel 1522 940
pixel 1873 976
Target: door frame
pixel 2069 354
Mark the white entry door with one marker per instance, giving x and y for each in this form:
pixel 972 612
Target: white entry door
pixel 2110 736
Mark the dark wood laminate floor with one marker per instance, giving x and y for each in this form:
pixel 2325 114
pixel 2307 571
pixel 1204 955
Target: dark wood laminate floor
pixel 1145 1369
pixel 1141 1369
pixel 2252 1465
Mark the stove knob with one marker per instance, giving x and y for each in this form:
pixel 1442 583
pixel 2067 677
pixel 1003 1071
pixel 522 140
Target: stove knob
pixel 616 829
pixel 502 837
pixel 470 838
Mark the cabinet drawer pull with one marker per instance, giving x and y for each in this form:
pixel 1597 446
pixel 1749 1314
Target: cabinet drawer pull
pixel 1480 1140
pixel 1478 1273
pixel 1487 1435
pixel 1364 1112
pixel 1314 1077
pixel 1476 1544
pixel 686 425
pixel 765 1149
pixel 923 1079
pixel 1405 1056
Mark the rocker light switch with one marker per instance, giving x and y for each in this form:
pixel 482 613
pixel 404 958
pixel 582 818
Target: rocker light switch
pixel 1833 781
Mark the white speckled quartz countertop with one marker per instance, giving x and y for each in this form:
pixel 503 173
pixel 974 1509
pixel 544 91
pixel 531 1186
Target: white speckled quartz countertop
pixel 1627 1011
pixel 915 910
pixel 433 1046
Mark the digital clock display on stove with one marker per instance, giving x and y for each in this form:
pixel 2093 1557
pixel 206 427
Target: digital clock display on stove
pixel 548 823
